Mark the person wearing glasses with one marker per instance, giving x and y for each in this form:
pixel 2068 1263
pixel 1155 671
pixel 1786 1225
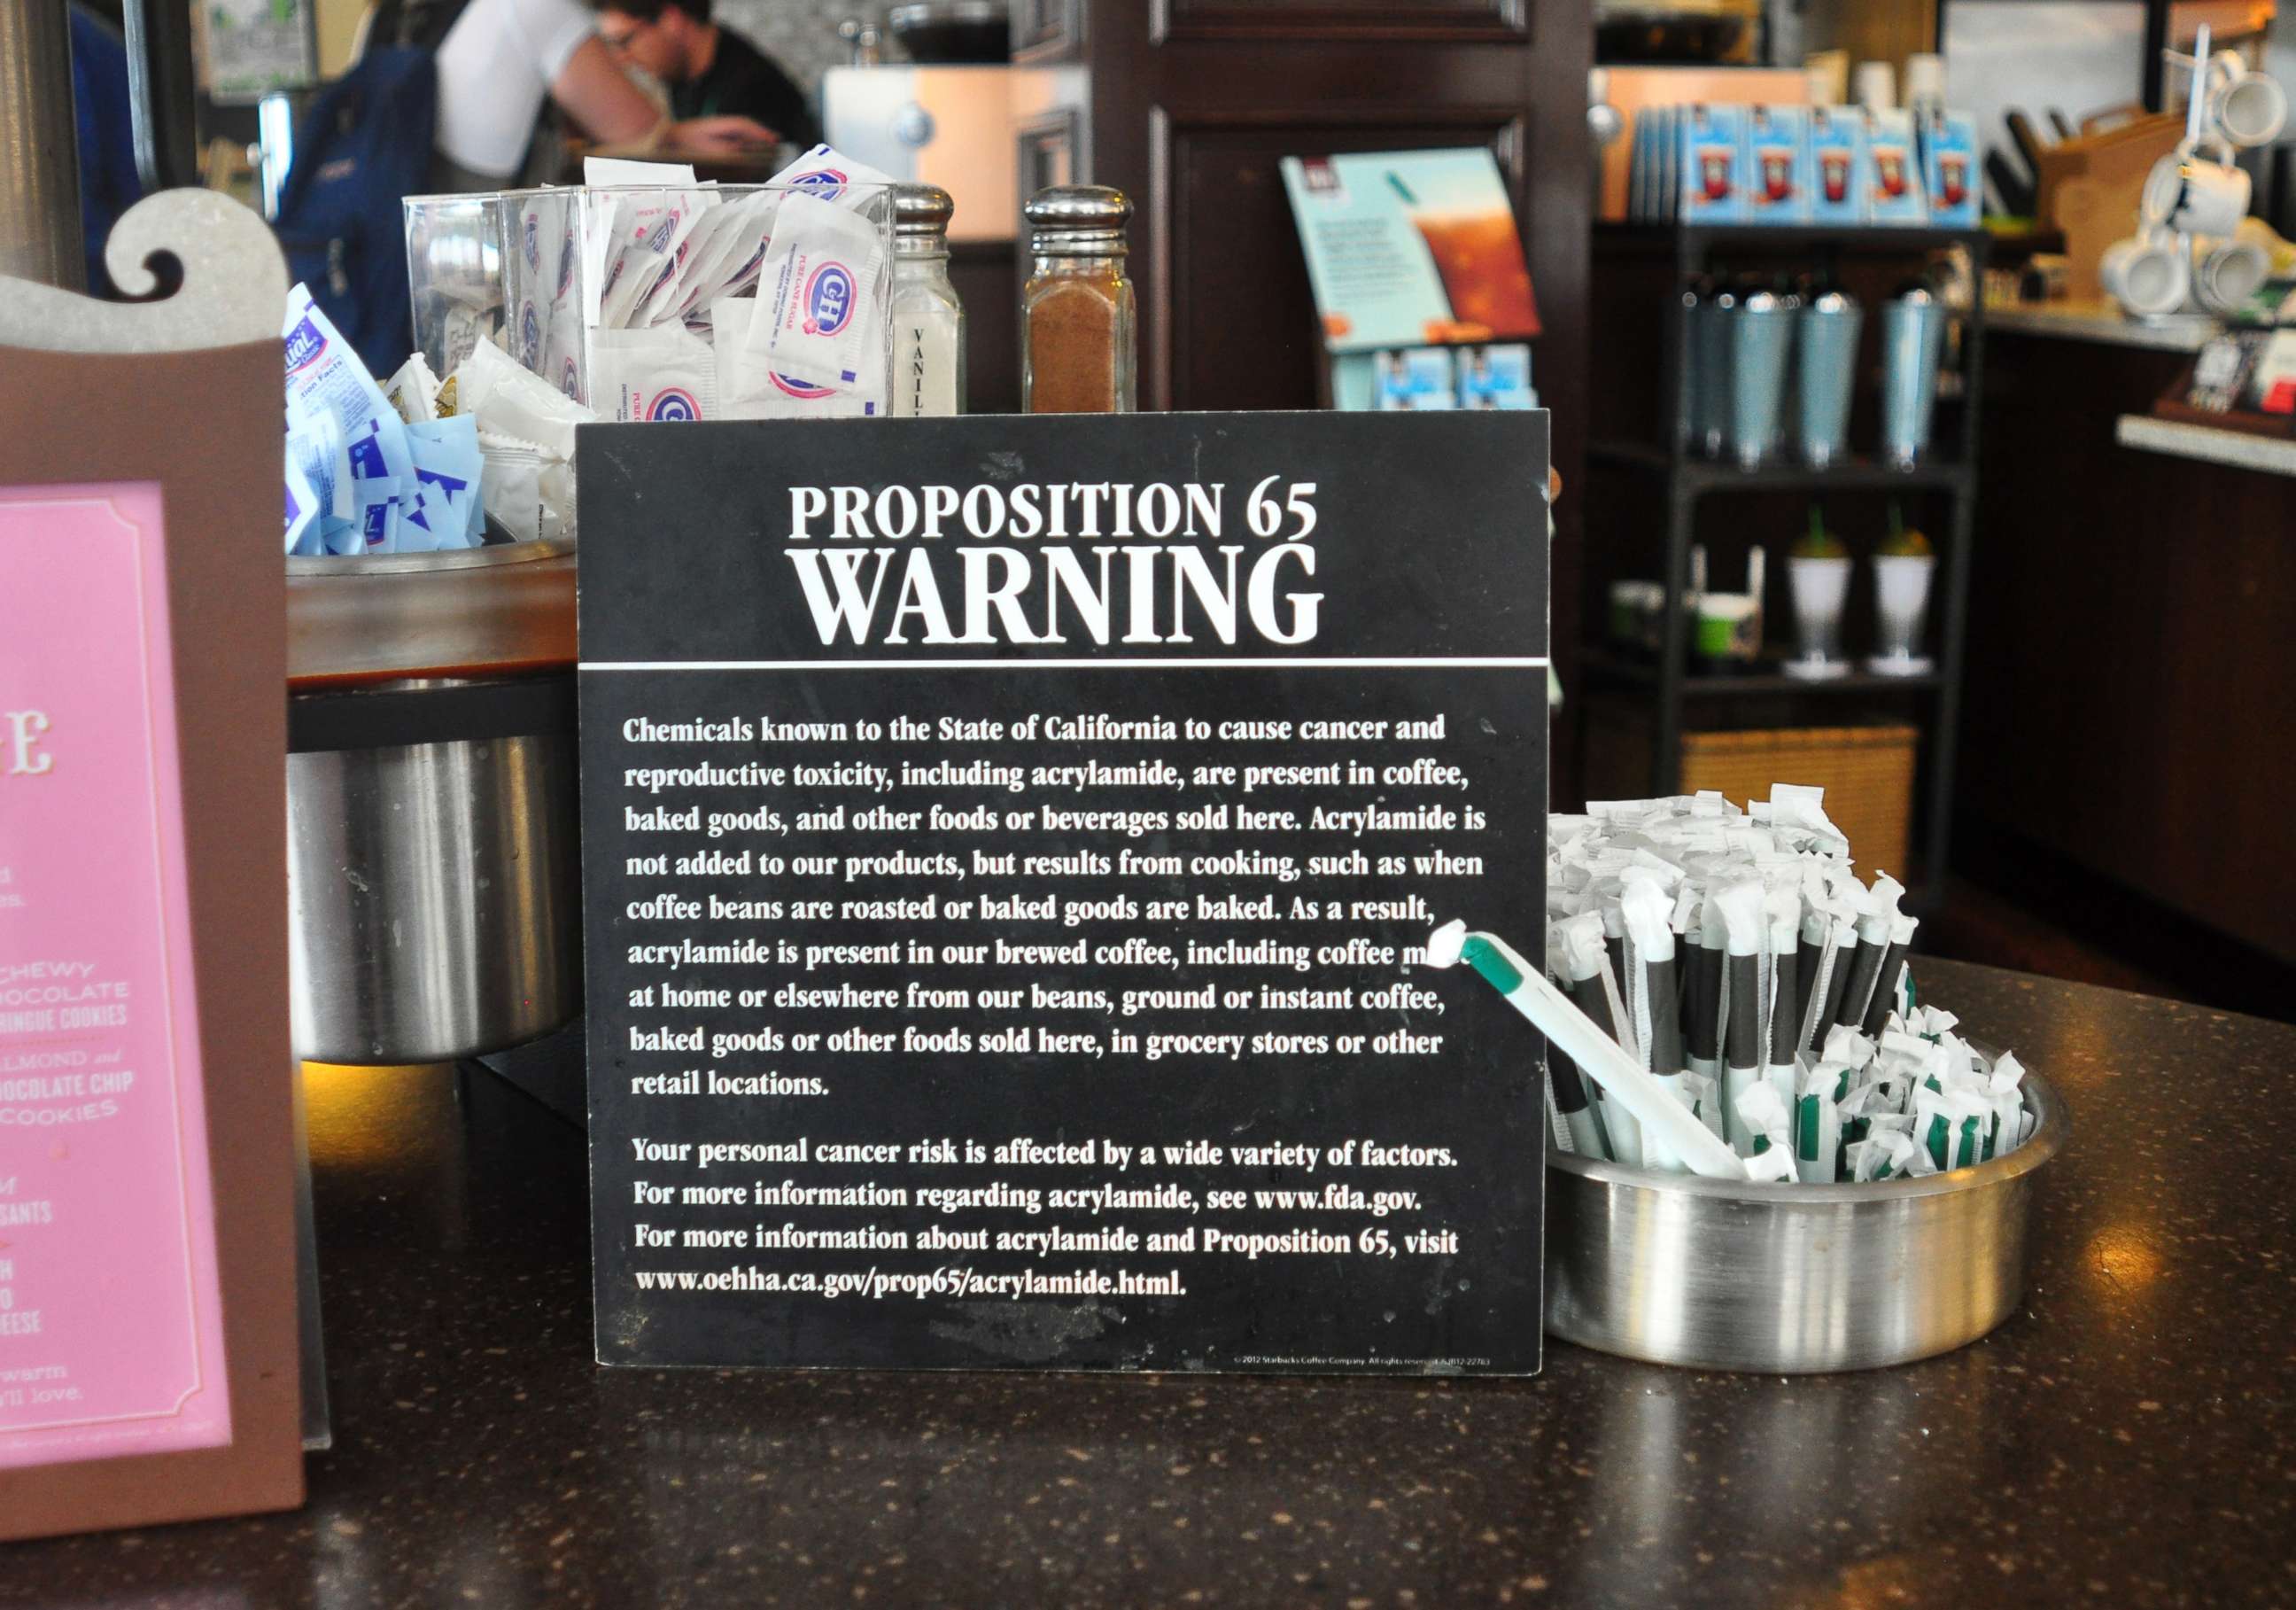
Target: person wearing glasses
pixel 501 59
pixel 710 71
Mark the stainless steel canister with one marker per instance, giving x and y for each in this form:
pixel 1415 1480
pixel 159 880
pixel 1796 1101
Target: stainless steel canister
pixel 433 886
pixel 1714 1275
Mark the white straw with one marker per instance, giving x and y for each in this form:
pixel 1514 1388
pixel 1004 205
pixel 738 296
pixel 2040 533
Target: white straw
pixel 1596 1055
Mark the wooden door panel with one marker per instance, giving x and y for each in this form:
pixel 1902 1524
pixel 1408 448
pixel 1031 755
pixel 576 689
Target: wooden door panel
pixel 1191 104
pixel 1312 20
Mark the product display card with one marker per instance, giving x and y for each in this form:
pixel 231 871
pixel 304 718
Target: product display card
pixel 110 1311
pixel 1007 848
pixel 1411 246
pixel 149 1330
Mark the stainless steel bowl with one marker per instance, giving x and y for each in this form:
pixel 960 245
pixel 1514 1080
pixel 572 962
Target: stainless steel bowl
pixel 1800 1279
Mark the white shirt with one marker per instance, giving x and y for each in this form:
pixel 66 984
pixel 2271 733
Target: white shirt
pixel 496 65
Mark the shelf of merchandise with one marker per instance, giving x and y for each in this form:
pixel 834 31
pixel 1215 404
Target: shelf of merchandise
pixel 1686 480
pixel 1727 684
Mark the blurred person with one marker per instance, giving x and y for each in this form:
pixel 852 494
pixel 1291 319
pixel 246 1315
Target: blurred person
pixel 708 70
pixel 107 181
pixel 502 59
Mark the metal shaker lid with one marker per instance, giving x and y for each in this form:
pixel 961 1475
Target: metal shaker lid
pixel 1077 220
pixel 921 210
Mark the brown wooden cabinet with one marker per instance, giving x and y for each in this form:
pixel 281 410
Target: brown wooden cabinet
pixel 1188 106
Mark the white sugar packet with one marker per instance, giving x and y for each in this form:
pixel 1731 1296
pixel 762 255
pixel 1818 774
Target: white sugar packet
pixel 829 175
pixel 747 391
pixel 649 228
pixel 665 374
pixel 819 313
pixel 727 263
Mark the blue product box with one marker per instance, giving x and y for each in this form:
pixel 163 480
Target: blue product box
pixel 1495 377
pixel 1777 165
pixel 1415 380
pixel 1712 184
pixel 1898 195
pixel 1841 170
pixel 1951 171
pixel 1665 200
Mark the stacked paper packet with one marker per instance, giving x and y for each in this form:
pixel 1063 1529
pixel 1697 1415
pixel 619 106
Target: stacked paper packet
pixel 362 476
pixel 695 305
pixel 1737 957
pixel 416 466
pixel 765 305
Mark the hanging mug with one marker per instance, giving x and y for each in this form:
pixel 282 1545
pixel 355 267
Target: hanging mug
pixel 2190 196
pixel 2147 275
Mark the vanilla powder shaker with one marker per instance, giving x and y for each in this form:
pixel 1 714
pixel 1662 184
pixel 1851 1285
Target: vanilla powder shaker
pixel 928 319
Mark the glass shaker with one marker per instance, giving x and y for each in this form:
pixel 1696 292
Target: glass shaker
pixel 928 318
pixel 1079 328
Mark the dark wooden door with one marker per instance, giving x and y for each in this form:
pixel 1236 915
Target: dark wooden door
pixel 1188 106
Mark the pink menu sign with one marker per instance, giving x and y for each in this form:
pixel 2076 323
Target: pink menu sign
pixel 111 1312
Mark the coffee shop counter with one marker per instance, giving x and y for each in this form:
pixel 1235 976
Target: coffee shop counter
pixel 2128 1438
pixel 2129 598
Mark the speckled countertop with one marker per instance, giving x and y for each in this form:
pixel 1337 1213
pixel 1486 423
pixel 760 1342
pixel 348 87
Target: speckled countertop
pixel 2128 1439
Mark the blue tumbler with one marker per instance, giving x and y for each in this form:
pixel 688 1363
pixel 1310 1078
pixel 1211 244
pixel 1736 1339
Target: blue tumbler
pixel 1912 342
pixel 1761 336
pixel 1826 364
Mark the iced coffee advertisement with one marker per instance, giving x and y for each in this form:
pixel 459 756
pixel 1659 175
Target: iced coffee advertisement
pixel 1411 248
pixel 110 1320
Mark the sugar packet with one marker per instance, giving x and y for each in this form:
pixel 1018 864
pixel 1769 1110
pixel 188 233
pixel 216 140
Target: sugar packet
pixel 748 391
pixel 827 174
pixel 506 400
pixel 819 313
pixel 662 373
pixel 649 228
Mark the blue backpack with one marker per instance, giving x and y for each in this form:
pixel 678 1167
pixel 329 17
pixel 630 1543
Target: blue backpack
pixel 363 145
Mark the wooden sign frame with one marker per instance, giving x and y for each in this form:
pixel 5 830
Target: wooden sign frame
pixel 184 394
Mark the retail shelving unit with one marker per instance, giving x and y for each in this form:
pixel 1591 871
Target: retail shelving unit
pixel 1685 479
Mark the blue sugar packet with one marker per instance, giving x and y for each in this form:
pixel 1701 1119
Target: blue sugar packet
pixel 303 534
pixel 448 464
pixel 326 380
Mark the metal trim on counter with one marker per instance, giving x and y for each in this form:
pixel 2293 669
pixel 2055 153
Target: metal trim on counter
pixel 2101 322
pixel 2206 443
pixel 431 712
pixel 466 613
